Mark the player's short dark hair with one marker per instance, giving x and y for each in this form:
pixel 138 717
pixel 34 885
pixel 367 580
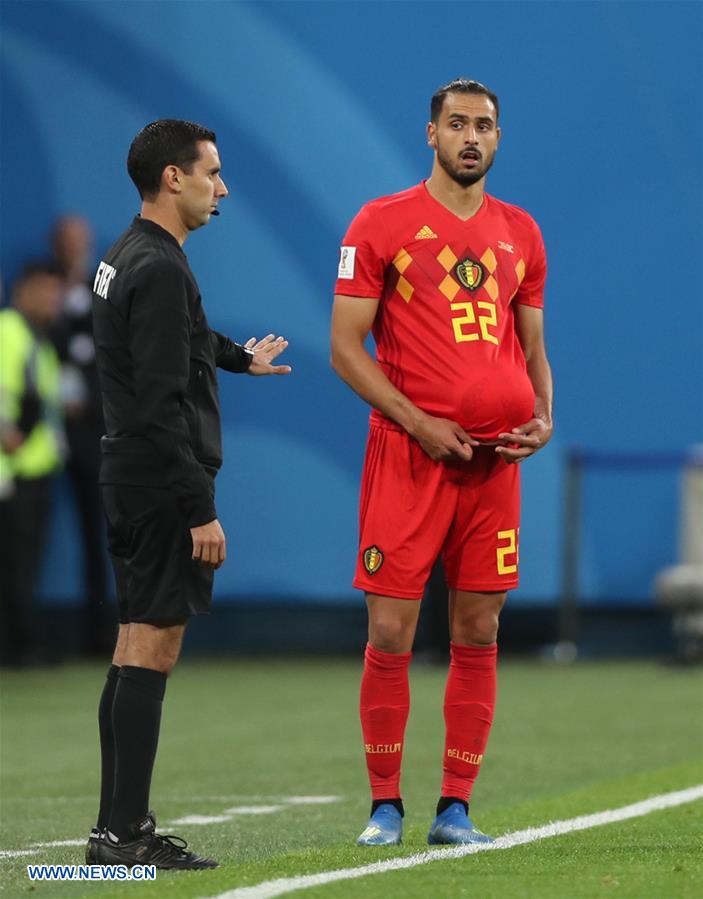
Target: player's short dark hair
pixel 460 86
pixel 162 143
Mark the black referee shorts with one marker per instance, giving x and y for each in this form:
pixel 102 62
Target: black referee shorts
pixel 151 549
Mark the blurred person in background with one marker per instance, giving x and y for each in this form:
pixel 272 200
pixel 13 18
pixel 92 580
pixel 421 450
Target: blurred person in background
pixel 31 443
pixel 72 244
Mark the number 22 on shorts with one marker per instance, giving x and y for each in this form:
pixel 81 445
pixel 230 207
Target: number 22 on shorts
pixel 507 548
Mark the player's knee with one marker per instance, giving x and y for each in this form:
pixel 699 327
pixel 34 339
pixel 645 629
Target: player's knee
pixel 480 628
pixel 390 635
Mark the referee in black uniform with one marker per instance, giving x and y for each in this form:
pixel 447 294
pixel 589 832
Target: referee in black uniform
pixel 157 360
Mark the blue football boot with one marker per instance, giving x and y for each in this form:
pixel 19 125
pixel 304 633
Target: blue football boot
pixel 453 827
pixel 385 828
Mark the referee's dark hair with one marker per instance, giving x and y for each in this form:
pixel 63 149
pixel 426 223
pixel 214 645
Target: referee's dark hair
pixel 161 143
pixel 460 86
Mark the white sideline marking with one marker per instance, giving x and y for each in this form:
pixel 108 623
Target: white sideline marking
pixel 253 809
pixel 272 888
pixel 229 813
pixel 200 819
pixel 192 820
pixel 37 847
pixel 53 843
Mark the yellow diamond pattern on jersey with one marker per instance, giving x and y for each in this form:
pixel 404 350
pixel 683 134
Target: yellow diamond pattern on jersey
pixel 449 288
pixel 447 260
pixel 491 287
pixel 402 260
pixel 489 260
pixel 520 270
pixel 404 288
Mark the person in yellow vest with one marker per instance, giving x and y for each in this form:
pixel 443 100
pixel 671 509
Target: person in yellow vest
pixel 30 451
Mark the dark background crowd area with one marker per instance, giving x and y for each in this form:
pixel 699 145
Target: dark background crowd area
pixel 53 295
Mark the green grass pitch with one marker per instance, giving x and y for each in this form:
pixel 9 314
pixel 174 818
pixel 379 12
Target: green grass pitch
pixel 567 741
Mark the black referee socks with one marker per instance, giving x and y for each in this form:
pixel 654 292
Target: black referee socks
pixel 136 718
pixel 107 746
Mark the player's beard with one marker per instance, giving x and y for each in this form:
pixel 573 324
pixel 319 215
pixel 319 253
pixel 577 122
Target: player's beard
pixel 462 176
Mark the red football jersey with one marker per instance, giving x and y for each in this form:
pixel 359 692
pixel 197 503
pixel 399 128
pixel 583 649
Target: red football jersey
pixel 445 328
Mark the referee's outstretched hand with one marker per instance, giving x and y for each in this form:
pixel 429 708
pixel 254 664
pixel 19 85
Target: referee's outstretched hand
pixel 265 351
pixel 209 545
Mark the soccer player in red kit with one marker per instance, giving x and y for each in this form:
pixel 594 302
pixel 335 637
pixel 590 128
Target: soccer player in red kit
pixel 450 281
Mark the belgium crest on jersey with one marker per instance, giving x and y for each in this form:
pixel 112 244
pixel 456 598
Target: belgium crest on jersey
pixel 373 559
pixel 470 273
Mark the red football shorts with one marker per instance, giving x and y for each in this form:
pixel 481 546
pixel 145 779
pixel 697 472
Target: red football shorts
pixel 413 509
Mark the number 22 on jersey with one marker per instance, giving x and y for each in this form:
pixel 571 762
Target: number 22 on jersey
pixel 462 324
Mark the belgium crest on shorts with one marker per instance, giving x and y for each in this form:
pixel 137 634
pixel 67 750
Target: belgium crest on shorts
pixel 470 273
pixel 373 559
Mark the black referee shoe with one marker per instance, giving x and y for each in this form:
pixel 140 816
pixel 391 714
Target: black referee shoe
pixel 150 848
pixel 91 847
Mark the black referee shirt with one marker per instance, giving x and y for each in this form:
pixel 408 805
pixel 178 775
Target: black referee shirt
pixel 156 358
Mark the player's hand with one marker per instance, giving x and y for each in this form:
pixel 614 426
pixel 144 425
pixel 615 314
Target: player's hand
pixel 209 546
pixel 443 439
pixel 265 351
pixel 523 442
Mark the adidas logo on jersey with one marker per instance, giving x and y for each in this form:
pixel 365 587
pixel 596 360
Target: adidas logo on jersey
pixel 425 233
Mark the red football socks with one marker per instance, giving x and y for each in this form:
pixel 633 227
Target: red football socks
pixel 384 705
pixel 469 702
